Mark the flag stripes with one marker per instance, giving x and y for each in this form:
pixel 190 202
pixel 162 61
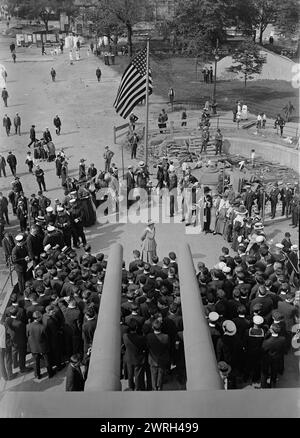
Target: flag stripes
pixel 132 89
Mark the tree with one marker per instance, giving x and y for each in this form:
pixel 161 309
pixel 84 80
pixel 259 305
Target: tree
pixel 199 24
pixel 287 19
pixel 266 11
pixel 247 60
pixel 43 9
pixel 125 12
pixel 288 110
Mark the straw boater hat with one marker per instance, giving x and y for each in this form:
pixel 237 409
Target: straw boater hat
pixel 242 210
pixel 141 164
pixel 151 222
pixel 229 327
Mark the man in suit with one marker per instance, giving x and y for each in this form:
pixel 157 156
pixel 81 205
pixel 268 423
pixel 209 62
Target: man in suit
pixel 17 124
pixel 159 355
pixel 73 326
pixel 39 344
pixel 133 266
pixel 74 377
pixel 8 244
pixel 4 207
pixel 88 329
pixel 12 162
pixel 34 245
pixel 34 307
pixel 53 327
pixel 7 124
pixel 273 349
pixel 32 136
pixel 290 313
pixel 135 356
pixel 130 183
pixel 16 330
pixel 19 258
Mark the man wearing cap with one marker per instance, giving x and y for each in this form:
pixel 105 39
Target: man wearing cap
pixel 47 135
pixel 249 198
pixel 19 258
pixel 16 331
pixel 63 223
pixel 108 154
pixel 39 344
pixel 286 195
pixel 214 332
pixel 253 342
pixel 142 176
pixel 53 237
pixel 40 178
pixel 229 347
pixel 134 358
pixel 50 217
pixel 273 348
pixel 34 243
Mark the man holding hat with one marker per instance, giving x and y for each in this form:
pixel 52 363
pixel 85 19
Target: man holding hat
pixel 19 258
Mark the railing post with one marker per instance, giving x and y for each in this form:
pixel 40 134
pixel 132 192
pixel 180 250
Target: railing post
pixel 115 138
pixel 104 368
pixel 200 359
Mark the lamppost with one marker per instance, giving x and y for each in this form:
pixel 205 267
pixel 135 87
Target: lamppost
pixel 215 81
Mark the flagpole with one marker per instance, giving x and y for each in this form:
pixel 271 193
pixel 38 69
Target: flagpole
pixel 147 103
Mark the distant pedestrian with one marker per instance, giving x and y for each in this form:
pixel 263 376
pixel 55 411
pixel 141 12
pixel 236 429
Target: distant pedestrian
pixel 40 178
pixel 14 57
pixel 53 74
pixel 5 96
pixel 183 118
pixel 12 162
pixel 57 124
pixel 29 161
pixel 218 142
pixel 47 135
pixel 43 49
pixel 98 74
pixel 108 154
pixel 134 144
pixel 17 124
pixel 171 95
pixel 258 121
pixel 211 74
pixel 279 122
pixel 32 135
pixel 2 166
pixel 71 57
pixel 12 47
pixel 7 124
pixel 264 120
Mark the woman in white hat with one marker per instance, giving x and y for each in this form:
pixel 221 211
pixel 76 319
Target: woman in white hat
pixel 148 243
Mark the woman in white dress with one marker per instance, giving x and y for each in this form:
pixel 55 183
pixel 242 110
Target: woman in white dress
pixel 148 243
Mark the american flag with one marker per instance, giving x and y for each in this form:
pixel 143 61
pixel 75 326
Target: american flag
pixel 132 89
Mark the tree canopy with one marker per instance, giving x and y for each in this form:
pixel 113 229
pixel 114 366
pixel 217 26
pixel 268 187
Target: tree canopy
pixel 247 60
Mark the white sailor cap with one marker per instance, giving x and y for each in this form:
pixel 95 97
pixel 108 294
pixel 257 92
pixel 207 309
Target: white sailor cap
pixel 59 209
pixel 49 209
pixel 279 245
pixel 260 239
pixel 72 201
pixel 50 228
pixel 47 247
pixel 19 237
pixel 294 247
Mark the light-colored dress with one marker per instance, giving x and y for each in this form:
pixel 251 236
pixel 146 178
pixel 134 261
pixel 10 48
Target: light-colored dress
pixel 148 245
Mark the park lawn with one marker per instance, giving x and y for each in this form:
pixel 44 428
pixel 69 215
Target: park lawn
pixel 180 74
